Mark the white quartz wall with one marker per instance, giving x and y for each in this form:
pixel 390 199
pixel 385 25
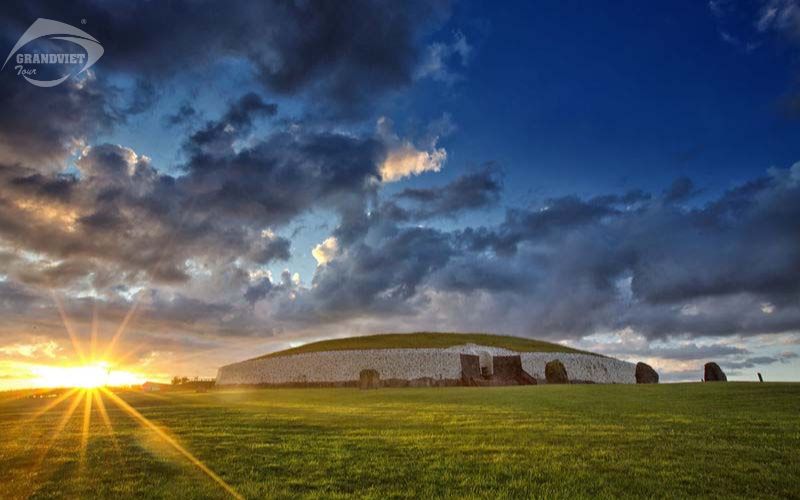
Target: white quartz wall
pixel 409 364
pixel 581 367
pixel 341 366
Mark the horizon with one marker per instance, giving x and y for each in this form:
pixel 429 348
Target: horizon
pixel 621 179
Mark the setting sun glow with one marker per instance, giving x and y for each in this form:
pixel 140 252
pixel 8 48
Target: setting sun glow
pixel 89 376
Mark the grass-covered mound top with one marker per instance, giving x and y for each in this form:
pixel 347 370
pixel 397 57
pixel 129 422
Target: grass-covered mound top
pixel 426 340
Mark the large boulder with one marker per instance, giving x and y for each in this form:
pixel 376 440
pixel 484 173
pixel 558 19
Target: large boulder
pixel 713 373
pixel 645 374
pixel 470 369
pixel 369 379
pixel 508 369
pixel 555 373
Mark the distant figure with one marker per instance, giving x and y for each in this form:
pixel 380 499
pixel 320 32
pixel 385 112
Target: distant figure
pixel 760 378
pixel 713 373
pixel 645 374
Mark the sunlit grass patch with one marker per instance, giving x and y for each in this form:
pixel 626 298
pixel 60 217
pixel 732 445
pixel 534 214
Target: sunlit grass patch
pixel 723 440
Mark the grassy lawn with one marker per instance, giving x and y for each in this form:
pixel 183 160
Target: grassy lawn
pixel 720 440
pixel 427 340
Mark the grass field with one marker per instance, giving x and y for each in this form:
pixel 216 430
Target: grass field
pixel 720 440
pixel 427 340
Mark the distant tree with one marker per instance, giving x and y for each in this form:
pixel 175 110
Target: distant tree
pixel 176 380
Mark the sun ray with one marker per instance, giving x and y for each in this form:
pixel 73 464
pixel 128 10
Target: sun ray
pixel 26 394
pixel 93 341
pixel 124 357
pixel 107 421
pixel 87 421
pixel 72 336
pixel 62 423
pixel 122 327
pixel 27 423
pixel 65 418
pixel 53 404
pixel 169 440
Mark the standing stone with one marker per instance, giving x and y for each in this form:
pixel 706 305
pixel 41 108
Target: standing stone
pixel 369 379
pixel 555 373
pixel 470 369
pixel 713 373
pixel 508 370
pixel 645 374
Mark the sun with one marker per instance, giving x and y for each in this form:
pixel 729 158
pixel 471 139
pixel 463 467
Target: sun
pixel 91 382
pixel 88 376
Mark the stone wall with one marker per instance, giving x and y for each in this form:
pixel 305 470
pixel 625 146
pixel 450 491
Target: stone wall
pixel 340 366
pixel 410 364
pixel 581 367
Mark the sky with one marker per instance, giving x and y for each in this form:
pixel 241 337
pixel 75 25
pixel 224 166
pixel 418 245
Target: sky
pixel 229 180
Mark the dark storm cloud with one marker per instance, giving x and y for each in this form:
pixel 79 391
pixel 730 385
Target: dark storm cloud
pixel 15 298
pixel 265 286
pixel 185 114
pixel 760 360
pixel 275 248
pixel 119 221
pixel 570 266
pixel 41 128
pixel 470 273
pixel 578 266
pixel 471 191
pixel 216 137
pixel 380 274
pixel 691 351
pixel 556 215
pixel 285 174
pixel 143 97
pixel 58 187
pixel 342 52
pixel 680 190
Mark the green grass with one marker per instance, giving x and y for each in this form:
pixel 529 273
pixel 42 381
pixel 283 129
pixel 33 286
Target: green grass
pixel 426 340
pixel 734 440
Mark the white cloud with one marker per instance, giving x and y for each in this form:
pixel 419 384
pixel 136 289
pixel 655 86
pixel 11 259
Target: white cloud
pixel 439 58
pixel 780 15
pixel 407 160
pixel 326 251
pixel 38 349
pixel 404 158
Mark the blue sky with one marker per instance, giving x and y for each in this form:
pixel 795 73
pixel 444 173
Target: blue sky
pixel 630 168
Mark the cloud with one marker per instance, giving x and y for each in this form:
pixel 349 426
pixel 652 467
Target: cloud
pixel 782 16
pixel 44 348
pixel 404 159
pixel 440 58
pixel 472 191
pixel 42 129
pixel 573 267
pixel 344 55
pixel 325 251
pixel 681 190
pixel 120 221
pixel 194 245
pixel 751 25
pixel 296 49
pixel 184 114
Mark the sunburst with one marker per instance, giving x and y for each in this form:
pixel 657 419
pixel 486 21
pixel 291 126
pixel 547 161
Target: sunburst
pixel 90 382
